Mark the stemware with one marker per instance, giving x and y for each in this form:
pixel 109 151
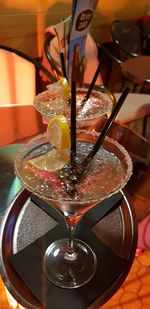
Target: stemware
pixel 51 102
pixel 70 262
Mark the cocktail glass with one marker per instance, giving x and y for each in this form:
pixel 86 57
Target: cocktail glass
pixel 70 262
pixel 51 102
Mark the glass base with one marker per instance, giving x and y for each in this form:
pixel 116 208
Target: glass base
pixel 69 270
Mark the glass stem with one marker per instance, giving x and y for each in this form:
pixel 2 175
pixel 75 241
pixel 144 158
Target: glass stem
pixel 71 240
pixel 71 230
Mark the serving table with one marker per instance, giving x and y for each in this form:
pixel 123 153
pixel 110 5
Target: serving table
pixel 137 69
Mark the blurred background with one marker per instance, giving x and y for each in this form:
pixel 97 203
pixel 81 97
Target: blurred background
pixel 22 23
pixel 22 27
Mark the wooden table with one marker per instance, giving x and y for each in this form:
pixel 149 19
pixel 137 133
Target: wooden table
pixel 137 69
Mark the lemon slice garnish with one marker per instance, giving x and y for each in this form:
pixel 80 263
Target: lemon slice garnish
pixel 60 88
pixel 65 86
pixel 58 133
pixel 54 160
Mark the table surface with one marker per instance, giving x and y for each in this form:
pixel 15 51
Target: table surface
pixel 137 69
pixel 136 106
pixel 10 184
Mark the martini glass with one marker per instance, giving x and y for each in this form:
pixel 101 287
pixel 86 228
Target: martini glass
pixel 51 102
pixel 70 262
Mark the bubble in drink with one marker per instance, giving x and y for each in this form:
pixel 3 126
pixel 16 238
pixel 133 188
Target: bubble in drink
pixel 50 103
pixel 106 174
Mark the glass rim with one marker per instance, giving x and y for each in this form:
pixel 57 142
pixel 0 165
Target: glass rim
pixel 96 198
pixel 49 113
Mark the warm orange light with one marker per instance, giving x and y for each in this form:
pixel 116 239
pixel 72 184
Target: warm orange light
pixel 17 92
pixel 24 4
pixel 33 5
pixel 17 79
pixel 12 302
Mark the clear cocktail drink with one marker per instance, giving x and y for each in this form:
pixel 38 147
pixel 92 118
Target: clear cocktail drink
pixel 51 102
pixel 48 173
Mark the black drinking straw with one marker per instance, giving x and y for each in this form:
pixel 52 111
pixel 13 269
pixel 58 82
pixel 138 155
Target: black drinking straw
pixel 73 119
pixel 107 126
pixel 63 65
pixel 93 81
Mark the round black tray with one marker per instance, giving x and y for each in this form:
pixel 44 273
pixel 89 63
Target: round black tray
pixel 24 222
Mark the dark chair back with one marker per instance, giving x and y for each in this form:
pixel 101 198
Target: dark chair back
pixel 37 63
pixel 127 35
pixel 144 24
pixel 113 77
pixel 111 66
pixel 56 72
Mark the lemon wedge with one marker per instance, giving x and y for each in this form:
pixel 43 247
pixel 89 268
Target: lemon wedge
pixel 60 88
pixel 65 86
pixel 58 133
pixel 54 160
